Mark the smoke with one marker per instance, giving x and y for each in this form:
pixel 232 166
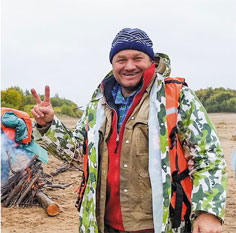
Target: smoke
pixel 17 157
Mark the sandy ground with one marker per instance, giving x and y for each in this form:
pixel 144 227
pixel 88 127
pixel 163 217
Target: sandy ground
pixel 34 219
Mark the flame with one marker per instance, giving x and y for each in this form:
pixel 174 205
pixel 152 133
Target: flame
pixel 28 170
pixel 36 184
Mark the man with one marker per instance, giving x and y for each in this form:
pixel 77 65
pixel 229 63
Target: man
pixel 130 183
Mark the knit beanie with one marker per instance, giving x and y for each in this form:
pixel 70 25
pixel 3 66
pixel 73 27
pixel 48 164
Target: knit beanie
pixel 132 38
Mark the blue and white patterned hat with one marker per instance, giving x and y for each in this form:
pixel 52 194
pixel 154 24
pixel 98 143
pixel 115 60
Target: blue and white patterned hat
pixel 132 38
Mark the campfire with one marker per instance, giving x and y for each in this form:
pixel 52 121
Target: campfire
pixel 25 187
pixel 22 176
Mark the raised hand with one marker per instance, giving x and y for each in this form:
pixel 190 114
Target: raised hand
pixel 42 112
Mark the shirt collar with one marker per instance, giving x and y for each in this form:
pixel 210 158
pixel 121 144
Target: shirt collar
pixel 119 98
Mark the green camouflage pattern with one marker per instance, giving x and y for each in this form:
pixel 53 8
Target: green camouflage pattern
pixel 198 137
pixel 209 179
pixel 164 149
pixel 196 133
pixel 87 215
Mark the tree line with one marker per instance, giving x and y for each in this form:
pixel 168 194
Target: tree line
pixel 218 99
pixel 213 99
pixel 15 97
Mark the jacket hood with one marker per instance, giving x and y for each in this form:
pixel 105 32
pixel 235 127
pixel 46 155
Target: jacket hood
pixel 162 64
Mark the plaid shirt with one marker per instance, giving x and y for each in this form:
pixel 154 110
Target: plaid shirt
pixel 122 103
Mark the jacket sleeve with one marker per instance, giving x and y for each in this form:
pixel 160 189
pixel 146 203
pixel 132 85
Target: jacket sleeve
pixel 63 143
pixel 199 138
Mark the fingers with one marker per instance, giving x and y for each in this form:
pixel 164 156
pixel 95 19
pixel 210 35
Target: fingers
pixel 35 115
pixel 40 120
pixel 37 112
pixel 42 115
pixel 35 95
pixel 42 112
pixel 47 94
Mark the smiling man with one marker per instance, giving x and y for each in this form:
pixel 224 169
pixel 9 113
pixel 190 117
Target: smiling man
pixel 139 137
pixel 128 67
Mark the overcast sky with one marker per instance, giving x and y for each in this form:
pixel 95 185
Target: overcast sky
pixel 65 43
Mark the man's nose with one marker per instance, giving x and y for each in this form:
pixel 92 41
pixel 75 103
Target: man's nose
pixel 130 65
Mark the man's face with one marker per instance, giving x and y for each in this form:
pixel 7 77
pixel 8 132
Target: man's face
pixel 128 67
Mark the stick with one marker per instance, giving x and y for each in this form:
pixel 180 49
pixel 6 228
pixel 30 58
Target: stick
pixel 60 186
pixel 28 189
pixel 16 189
pixel 59 170
pixel 3 198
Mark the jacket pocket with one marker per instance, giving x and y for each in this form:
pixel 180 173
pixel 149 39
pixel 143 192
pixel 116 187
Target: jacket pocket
pixel 145 192
pixel 141 138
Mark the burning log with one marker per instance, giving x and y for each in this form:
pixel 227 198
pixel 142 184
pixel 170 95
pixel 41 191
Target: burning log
pixel 51 208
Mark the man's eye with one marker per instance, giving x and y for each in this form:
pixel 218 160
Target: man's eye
pixel 138 58
pixel 121 60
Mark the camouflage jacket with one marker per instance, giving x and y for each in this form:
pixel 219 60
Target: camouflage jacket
pixel 195 131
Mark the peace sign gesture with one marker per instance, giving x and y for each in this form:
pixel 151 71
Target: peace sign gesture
pixel 42 112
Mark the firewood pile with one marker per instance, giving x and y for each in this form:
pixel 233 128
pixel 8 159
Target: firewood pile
pixel 25 187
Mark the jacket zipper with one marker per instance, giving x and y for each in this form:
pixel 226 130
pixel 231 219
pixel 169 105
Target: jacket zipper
pixel 117 142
